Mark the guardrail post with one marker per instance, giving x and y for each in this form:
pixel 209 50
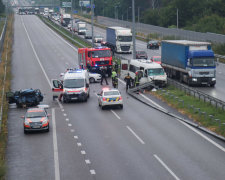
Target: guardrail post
pixel 218 121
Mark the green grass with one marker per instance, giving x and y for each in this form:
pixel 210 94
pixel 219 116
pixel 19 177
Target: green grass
pixel 189 107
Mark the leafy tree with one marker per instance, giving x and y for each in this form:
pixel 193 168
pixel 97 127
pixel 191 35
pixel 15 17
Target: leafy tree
pixel 2 7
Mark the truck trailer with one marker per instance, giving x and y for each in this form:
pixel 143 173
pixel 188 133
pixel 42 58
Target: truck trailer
pixel 191 62
pixel 119 39
pixel 65 19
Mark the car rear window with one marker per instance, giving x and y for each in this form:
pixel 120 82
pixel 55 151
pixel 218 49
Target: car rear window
pixel 33 114
pixel 110 93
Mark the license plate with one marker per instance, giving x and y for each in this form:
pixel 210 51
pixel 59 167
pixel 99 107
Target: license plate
pixel 36 127
pixel 74 98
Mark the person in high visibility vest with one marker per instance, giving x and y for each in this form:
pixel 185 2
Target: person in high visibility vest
pixel 136 80
pixel 114 74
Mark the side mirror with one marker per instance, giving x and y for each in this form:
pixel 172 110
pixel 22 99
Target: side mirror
pixel 62 74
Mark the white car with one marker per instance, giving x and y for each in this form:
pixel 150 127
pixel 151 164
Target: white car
pixel 98 39
pixel 110 97
pixel 94 77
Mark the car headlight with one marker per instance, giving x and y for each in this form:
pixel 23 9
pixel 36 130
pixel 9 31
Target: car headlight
pixel 213 79
pixel 194 79
pixel 26 122
pixel 45 121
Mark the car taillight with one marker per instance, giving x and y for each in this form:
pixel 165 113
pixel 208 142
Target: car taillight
pixel 104 99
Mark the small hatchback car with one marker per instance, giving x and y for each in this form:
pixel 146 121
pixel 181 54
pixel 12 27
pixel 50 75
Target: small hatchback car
pixel 36 119
pixel 110 97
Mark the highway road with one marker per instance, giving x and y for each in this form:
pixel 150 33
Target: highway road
pixel 86 142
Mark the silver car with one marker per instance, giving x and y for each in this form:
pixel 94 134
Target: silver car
pixel 110 97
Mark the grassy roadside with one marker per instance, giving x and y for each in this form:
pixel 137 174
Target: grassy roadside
pixel 65 32
pixel 201 112
pixel 7 52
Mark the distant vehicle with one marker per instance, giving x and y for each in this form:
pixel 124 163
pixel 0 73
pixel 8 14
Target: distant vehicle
pixel 141 55
pixel 146 71
pixel 110 97
pixel 94 77
pixel 119 39
pixel 153 44
pixel 77 20
pixel 94 58
pixel 98 39
pixel 73 87
pixel 36 119
pixel 156 59
pixel 65 19
pixel 80 27
pixel 191 62
pixel 36 10
pixel 88 35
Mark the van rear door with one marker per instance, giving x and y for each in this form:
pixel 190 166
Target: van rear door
pixel 57 88
pixel 124 68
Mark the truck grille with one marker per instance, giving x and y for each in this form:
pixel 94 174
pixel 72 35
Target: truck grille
pixel 102 62
pixel 125 48
pixel 204 73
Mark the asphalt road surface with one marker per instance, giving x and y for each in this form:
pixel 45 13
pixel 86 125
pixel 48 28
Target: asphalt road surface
pixel 86 142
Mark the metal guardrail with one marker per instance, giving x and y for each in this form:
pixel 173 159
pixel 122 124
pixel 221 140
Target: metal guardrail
pixel 196 93
pixel 2 38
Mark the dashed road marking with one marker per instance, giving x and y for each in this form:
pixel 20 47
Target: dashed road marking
pixel 64 114
pixel 115 114
pixel 72 130
pixel 87 161
pixel 67 119
pixel 166 167
pixel 69 125
pixel 79 144
pixel 62 110
pixel 92 171
pixel 83 152
pixel 139 139
pixel 75 137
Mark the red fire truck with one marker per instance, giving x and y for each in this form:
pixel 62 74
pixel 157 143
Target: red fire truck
pixel 95 58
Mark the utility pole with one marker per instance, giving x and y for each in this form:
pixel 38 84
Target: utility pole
pixel 177 19
pixel 133 30
pixel 92 22
pixel 71 14
pixel 139 14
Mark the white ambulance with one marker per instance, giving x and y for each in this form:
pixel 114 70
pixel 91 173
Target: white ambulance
pixel 73 86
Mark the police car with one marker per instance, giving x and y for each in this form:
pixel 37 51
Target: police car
pixel 110 97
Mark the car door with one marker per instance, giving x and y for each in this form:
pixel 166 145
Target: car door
pixel 57 88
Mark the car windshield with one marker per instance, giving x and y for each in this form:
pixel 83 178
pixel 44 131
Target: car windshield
pixel 34 114
pixel 98 37
pixel 125 38
pixel 141 52
pixel 203 62
pixel 111 93
pixel 67 20
pixel 155 72
pixel 101 53
pixel 158 59
pixel 153 42
pixel 73 83
pixel 88 33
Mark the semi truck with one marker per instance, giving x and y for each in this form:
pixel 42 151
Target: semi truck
pixel 65 19
pixel 119 39
pixel 191 62
pixel 94 59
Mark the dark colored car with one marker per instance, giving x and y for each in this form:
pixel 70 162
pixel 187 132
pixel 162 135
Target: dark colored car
pixel 141 55
pixel 153 45
pixel 36 119
pixel 88 35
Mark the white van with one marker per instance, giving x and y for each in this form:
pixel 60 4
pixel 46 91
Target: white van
pixel 147 71
pixel 73 86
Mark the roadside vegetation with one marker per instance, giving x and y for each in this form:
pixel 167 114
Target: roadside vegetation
pixel 7 52
pixel 201 112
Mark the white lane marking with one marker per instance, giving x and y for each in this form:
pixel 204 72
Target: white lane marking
pixel 67 119
pixel 61 38
pixel 60 104
pixel 55 147
pixel 122 81
pixel 64 114
pixel 72 130
pixel 115 114
pixel 69 125
pixel 79 144
pixel 139 139
pixel 87 161
pixel 62 110
pixel 83 152
pixel 166 167
pixel 75 137
pixel 92 171
pixel 152 101
pixel 203 136
pixel 42 68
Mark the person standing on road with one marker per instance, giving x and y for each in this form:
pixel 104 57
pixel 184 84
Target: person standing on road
pixel 114 74
pixel 136 81
pixel 128 81
pixel 103 74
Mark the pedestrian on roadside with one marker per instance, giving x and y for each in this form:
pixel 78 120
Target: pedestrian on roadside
pixel 128 81
pixel 136 81
pixel 114 74
pixel 103 74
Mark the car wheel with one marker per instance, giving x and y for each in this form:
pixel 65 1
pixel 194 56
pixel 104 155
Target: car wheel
pixel 47 130
pixel 121 106
pixel 92 80
pixel 25 132
pixel 64 99
pixel 103 107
